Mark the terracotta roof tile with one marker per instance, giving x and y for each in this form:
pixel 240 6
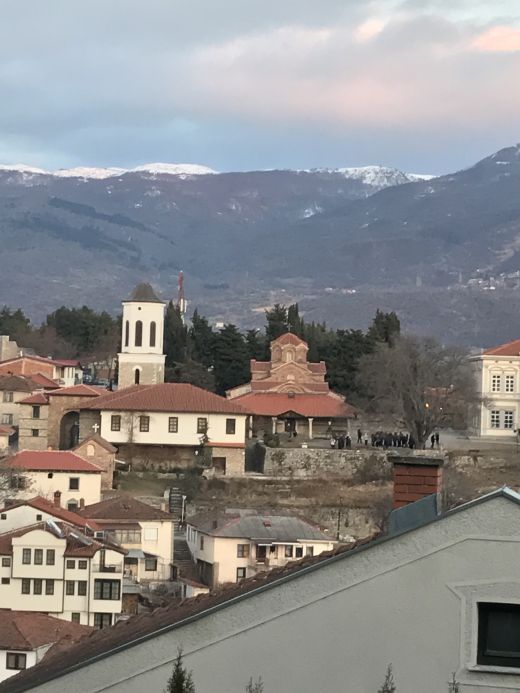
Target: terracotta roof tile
pixel 289 338
pixel 6 430
pixel 123 507
pixel 52 460
pixel 96 438
pixel 303 404
pixel 28 630
pixel 167 397
pixel 508 349
pixel 79 391
pixel 36 398
pixel 42 504
pixel 43 381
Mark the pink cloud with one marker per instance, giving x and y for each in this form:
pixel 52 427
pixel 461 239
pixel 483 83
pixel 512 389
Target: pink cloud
pixel 498 39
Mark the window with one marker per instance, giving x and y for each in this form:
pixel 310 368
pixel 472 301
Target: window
pixel 231 425
pixel 138 333
pixel 153 330
pixel 144 424
pixel 127 333
pixel 51 556
pixel 71 564
pixel 49 586
pixel 202 425
pixel 102 620
pixel 298 553
pixel 508 419
pixel 201 542
pixel 499 634
pixel 72 506
pixel 288 551
pixel 50 475
pixel 242 550
pixel 38 556
pixel 6 581
pixel 241 573
pixel 510 383
pixel 173 424
pixel 37 586
pixel 107 589
pixel 82 565
pixel 39 518
pixel 8 396
pixel 36 411
pixel 26 556
pixel 115 422
pixel 495 383
pixel 137 376
pixel 35 432
pixel 26 586
pixel 150 564
pixel 309 551
pixel 15 660
pixel 82 588
pixel 6 562
pixel 75 618
pixel 495 419
pixel 74 483
pixel 150 534
pixel 7 419
pixel 69 588
pixel 3 516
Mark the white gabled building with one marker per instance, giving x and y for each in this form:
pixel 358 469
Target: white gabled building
pixel 497 371
pixel 56 569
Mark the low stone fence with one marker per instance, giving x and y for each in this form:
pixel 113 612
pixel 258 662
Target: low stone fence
pixel 360 465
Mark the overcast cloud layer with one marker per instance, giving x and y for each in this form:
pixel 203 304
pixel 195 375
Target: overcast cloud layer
pixel 424 85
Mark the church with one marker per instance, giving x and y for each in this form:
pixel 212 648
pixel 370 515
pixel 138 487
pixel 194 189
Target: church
pixel 289 394
pixel 158 425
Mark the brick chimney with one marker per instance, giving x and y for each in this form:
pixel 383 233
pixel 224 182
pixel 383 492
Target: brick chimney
pixel 57 499
pixel 416 477
pixel 81 503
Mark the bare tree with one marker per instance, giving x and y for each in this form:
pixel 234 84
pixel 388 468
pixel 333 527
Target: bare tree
pixel 422 384
pixel 255 687
pixel 389 683
pixel 12 481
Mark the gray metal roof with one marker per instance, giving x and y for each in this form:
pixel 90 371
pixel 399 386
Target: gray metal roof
pixel 144 294
pixel 258 526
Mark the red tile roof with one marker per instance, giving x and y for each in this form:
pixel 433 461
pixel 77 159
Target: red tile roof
pixel 6 430
pixel 28 630
pixel 304 404
pixel 509 349
pixel 289 338
pixel 67 362
pixel 45 506
pixel 37 398
pixel 79 391
pixel 166 397
pixel 43 381
pixel 52 460
pixel 124 507
pixel 96 438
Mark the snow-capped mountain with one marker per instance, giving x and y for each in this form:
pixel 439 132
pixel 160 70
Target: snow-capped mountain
pixel 86 172
pixel 376 177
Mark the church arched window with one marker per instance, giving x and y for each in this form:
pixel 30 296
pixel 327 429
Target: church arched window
pixel 138 333
pixel 137 376
pixel 127 333
pixel 153 330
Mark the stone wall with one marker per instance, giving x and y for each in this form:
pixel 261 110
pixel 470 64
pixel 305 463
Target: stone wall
pixel 359 465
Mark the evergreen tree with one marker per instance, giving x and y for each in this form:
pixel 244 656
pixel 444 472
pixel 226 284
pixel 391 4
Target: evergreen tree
pixel 389 683
pixel 191 372
pixel 256 345
pixel 180 680
pixel 175 336
pixel 83 328
pixel 296 324
pixel 14 323
pixel 385 327
pixel 277 322
pixel 342 361
pixel 231 359
pixel 201 340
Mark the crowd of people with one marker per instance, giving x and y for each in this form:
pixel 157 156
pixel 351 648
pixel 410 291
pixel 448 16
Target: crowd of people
pixel 381 439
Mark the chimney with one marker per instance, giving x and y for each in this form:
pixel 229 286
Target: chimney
pixel 49 448
pixel 81 503
pixel 57 499
pixel 416 477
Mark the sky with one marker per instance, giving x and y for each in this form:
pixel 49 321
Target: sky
pixel 427 86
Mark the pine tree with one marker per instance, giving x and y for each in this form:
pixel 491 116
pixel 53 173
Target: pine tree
pixel 201 340
pixel 389 683
pixel 256 687
pixel 385 327
pixel 294 321
pixel 277 322
pixel 231 359
pixel 180 680
pixel 175 336
pixel 255 345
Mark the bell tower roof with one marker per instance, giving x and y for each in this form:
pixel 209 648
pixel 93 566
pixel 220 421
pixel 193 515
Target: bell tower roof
pixel 143 293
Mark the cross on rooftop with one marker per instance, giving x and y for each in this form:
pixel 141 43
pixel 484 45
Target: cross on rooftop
pixel 96 427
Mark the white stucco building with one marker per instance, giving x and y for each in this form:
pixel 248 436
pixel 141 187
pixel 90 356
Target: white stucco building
pixel 497 371
pixel 26 637
pixel 55 473
pixel 56 569
pixel 431 598
pixel 237 544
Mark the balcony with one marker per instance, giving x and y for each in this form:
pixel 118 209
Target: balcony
pixel 107 567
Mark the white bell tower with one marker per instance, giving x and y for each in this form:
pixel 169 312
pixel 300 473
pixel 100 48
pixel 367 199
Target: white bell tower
pixel 141 361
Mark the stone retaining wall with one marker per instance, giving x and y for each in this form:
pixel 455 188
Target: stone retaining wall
pixel 360 465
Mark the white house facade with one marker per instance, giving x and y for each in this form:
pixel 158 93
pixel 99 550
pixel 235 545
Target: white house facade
pixel 497 371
